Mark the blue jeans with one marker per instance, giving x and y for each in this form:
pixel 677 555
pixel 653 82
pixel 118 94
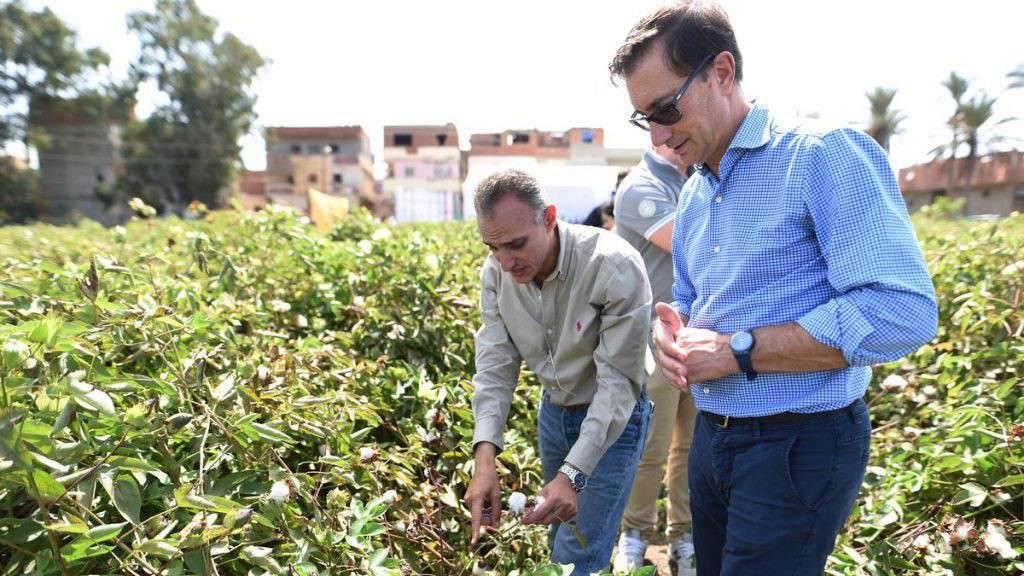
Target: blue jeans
pixel 771 498
pixel 601 503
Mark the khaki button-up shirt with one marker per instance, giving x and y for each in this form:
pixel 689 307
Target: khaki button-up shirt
pixel 584 334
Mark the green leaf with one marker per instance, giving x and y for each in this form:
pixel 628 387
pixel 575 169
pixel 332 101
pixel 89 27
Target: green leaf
pixel 1011 480
pixel 103 532
pixel 271 434
pixel 91 397
pixel 973 493
pixel 127 499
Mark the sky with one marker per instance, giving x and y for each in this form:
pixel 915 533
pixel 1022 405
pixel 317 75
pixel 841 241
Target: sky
pixel 489 66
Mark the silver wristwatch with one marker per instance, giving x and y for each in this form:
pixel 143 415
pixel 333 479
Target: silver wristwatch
pixel 577 479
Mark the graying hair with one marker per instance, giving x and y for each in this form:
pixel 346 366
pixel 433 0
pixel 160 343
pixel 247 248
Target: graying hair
pixel 510 182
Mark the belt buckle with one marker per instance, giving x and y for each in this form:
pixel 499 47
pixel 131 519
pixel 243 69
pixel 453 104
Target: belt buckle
pixel 725 423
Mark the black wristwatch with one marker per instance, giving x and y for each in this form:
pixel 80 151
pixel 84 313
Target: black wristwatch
pixel 577 479
pixel 742 343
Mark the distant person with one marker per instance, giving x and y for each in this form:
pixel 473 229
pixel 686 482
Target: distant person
pixel 796 269
pixel 608 215
pixel 574 303
pixel 645 210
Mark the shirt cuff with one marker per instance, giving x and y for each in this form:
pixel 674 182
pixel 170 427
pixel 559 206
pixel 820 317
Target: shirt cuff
pixel 488 430
pixel 584 455
pixel 682 307
pixel 841 325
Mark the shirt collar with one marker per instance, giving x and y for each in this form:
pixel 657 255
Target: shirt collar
pixel 755 131
pixel 564 238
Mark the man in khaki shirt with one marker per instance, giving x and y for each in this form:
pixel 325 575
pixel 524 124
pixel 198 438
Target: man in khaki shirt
pixel 574 303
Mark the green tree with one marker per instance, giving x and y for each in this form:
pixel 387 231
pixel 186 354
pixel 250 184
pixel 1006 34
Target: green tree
pixel 19 193
pixel 885 120
pixel 188 148
pixel 39 57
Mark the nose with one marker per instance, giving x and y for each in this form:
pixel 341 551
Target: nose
pixel 660 134
pixel 506 260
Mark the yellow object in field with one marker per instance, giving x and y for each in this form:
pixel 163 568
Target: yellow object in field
pixel 325 210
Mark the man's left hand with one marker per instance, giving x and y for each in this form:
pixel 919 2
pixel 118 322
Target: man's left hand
pixel 708 355
pixel 560 503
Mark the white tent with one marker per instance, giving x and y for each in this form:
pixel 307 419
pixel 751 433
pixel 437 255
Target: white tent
pixel 574 189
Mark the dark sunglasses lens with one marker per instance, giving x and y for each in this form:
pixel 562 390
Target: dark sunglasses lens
pixel 666 116
pixel 640 123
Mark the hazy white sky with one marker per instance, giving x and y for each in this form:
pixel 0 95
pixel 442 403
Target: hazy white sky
pixel 489 66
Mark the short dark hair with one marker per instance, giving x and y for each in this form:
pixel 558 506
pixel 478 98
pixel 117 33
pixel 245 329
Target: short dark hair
pixel 691 31
pixel 510 182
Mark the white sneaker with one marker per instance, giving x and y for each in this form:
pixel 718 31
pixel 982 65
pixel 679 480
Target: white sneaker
pixel 630 553
pixel 681 559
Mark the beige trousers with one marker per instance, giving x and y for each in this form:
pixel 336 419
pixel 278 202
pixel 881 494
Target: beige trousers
pixel 670 439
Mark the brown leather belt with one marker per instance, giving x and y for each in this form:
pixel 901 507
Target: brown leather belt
pixel 576 407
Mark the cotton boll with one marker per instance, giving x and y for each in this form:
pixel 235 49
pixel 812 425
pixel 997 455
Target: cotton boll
pixel 280 492
pixel 516 503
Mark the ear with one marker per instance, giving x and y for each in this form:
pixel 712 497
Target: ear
pixel 550 217
pixel 723 71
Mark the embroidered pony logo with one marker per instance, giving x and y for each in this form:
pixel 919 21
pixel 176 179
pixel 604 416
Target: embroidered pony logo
pixel 579 326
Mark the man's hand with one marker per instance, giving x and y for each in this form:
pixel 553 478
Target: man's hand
pixel 690 356
pixel 671 358
pixel 483 497
pixel 708 355
pixel 560 503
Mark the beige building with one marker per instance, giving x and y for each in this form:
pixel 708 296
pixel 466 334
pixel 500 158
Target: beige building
pixel 82 152
pixel 335 160
pixel 990 184
pixel 574 146
pixel 425 173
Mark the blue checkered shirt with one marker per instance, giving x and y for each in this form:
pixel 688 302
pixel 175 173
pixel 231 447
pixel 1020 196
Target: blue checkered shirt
pixel 803 225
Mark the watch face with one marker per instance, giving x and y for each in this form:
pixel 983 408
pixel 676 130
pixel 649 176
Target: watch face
pixel 580 481
pixel 741 342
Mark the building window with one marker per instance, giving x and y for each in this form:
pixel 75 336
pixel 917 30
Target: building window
pixel 1019 193
pixel 410 171
pixel 519 138
pixel 337 178
pixel 588 136
pixel 986 193
pixel 403 139
pixel 496 140
pixel 442 171
pixel 311 178
pixel 291 179
pixel 441 139
pixel 296 149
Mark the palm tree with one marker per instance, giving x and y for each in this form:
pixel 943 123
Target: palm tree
pixel 974 114
pixel 957 86
pixel 1017 77
pixel 885 120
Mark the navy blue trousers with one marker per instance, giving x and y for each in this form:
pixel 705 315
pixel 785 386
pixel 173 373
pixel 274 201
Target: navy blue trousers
pixel 770 499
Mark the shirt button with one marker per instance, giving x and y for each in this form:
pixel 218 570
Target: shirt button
pixel 718 249
pixel 707 390
pixel 718 199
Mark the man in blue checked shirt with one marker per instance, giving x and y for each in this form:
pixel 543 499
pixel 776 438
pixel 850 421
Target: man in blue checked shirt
pixel 796 269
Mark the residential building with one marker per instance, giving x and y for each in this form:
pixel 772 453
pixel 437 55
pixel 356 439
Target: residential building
pixel 425 172
pixel 251 189
pixel 335 160
pixel 990 184
pixel 81 152
pixel 575 146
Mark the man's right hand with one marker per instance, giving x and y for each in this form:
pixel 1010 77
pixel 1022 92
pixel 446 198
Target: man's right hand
pixel 483 498
pixel 671 358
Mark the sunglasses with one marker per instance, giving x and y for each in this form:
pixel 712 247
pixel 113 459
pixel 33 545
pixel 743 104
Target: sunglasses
pixel 668 114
